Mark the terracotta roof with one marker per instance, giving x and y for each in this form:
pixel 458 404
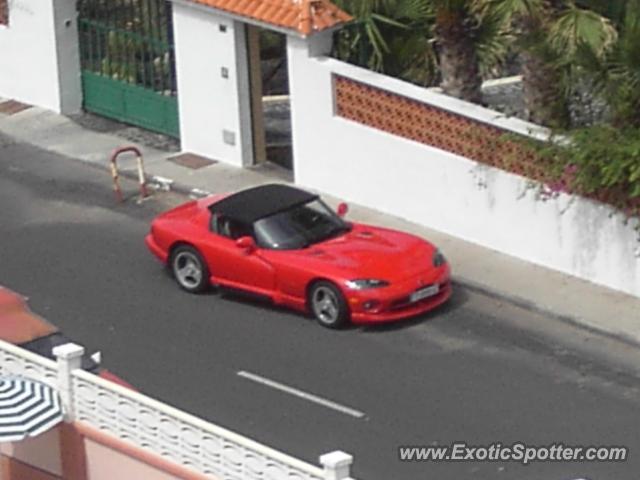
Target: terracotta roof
pixel 18 324
pixel 304 16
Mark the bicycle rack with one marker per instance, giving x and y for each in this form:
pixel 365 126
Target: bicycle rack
pixel 141 175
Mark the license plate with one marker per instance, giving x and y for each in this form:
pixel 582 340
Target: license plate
pixel 423 293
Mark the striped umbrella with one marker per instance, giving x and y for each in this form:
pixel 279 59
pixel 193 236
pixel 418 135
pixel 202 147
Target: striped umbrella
pixel 27 408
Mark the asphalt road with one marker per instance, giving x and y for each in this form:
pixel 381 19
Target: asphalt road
pixel 478 370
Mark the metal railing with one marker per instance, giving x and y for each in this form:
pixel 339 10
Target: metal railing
pixel 142 178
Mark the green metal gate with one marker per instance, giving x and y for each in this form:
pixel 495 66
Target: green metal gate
pixel 128 62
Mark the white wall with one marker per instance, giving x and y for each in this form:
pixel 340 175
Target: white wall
pixel 39 55
pixel 447 192
pixel 68 56
pixel 41 452
pixel 210 104
pixel 103 463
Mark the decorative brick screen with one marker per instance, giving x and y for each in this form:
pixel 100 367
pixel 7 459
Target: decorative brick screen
pixel 432 126
pixel 4 12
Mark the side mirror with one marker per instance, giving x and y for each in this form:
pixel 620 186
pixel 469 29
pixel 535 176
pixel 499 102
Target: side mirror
pixel 343 208
pixel 246 243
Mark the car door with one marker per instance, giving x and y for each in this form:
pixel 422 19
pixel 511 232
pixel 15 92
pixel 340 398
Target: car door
pixel 233 266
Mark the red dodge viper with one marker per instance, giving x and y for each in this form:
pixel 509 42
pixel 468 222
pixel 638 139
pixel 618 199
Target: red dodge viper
pixel 288 245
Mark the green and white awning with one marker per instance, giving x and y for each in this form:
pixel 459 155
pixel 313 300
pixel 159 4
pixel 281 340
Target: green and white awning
pixel 27 408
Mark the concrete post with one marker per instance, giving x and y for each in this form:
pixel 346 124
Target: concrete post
pixel 65 16
pixel 320 44
pixel 40 55
pixel 69 358
pixel 304 105
pixel 336 465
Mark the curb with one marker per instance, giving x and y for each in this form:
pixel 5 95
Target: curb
pixel 534 307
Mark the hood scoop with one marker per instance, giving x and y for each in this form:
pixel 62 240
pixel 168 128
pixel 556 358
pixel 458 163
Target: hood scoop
pixel 365 234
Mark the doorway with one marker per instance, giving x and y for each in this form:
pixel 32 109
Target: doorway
pixel 275 97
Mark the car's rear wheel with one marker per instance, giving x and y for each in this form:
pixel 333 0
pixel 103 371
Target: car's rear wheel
pixel 328 305
pixel 189 269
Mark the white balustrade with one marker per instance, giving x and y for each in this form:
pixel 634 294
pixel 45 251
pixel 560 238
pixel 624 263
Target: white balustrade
pixel 185 439
pixel 18 361
pixel 159 428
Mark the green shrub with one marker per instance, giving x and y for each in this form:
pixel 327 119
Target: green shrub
pixel 600 162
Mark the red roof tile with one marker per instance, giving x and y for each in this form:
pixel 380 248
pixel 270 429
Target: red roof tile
pixel 304 16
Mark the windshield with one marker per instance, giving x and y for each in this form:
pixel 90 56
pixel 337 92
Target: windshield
pixel 299 227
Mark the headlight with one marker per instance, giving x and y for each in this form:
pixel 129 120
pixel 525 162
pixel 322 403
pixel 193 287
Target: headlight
pixel 365 283
pixel 438 259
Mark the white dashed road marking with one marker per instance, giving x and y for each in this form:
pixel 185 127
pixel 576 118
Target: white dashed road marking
pixel 300 394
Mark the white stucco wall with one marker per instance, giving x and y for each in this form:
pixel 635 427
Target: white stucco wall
pixel 447 192
pixel 103 463
pixel 215 114
pixel 39 55
pixel 41 452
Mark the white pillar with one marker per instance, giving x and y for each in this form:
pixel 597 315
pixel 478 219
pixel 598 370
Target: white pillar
pixel 336 465
pixel 310 90
pixel 39 52
pixel 212 69
pixel 69 358
pixel 320 44
pixel 65 17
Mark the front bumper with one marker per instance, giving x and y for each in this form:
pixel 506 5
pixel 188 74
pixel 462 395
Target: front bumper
pixel 392 303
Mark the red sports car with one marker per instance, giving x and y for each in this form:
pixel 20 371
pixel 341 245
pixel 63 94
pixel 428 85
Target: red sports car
pixel 288 245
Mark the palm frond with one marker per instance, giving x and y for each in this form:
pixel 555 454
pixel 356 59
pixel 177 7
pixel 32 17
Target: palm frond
pixel 365 41
pixel 576 26
pixel 493 39
pixel 408 10
pixel 509 9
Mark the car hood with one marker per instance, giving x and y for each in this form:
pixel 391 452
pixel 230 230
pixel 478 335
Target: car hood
pixel 373 252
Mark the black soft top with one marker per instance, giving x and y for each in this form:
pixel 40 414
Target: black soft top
pixel 255 203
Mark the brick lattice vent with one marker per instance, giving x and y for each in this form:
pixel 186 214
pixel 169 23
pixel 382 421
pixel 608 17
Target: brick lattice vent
pixel 432 126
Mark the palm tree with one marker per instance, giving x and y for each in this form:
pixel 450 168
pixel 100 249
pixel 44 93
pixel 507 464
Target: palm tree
pixel 455 30
pixel 551 34
pixel 471 38
pixel 614 10
pixel 410 39
pixel 388 36
pixel 617 74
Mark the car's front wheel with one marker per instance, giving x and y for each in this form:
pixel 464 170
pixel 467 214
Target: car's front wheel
pixel 328 305
pixel 189 269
